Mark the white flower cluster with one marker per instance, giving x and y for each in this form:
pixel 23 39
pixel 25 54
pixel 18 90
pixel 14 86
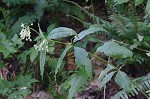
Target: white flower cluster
pixel 42 46
pixel 25 32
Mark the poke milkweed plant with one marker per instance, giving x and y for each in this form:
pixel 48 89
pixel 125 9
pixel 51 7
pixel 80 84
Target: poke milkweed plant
pixel 82 59
pixel 122 27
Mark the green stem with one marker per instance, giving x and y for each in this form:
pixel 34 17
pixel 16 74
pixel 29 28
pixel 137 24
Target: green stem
pixel 58 42
pixel 92 7
pixel 35 31
pixel 102 60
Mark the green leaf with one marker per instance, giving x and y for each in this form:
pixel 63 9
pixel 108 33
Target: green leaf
pixel 60 60
pixel 2 64
pixel 138 2
pixel 23 57
pixel 113 49
pixel 7 47
pixel 77 82
pixel 17 41
pixel 106 79
pixel 61 32
pixel 92 29
pixel 42 61
pixel 34 54
pixel 4 50
pixel 120 1
pixel 123 81
pixel 104 72
pixel 148 8
pixel 51 27
pixel 81 59
pixel 2 35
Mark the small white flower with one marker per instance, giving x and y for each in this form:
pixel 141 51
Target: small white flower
pixel 22 25
pixel 42 45
pixel 25 32
pixel 23 88
pixel 47 50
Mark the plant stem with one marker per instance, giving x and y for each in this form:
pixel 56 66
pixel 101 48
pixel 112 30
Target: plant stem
pixel 102 60
pixel 58 42
pixel 92 7
pixel 35 31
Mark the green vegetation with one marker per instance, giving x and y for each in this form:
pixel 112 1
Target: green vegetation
pixel 30 32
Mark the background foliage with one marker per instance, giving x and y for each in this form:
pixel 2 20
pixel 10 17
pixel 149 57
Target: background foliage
pixel 125 44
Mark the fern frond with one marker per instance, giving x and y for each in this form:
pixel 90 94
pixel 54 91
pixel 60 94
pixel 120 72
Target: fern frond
pixel 147 38
pixel 142 82
pixel 92 16
pixel 121 94
pixel 145 85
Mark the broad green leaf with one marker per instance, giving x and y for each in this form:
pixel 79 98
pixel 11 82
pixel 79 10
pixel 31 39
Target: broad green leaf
pixel 77 82
pixel 33 55
pixel 51 27
pixel 17 41
pixel 2 64
pixel 113 49
pixel 106 79
pixel 120 1
pixel 92 29
pixel 60 60
pixel 23 57
pixel 82 60
pixel 123 81
pixel 4 51
pixel 105 71
pixel 25 81
pixel 61 32
pixel 148 8
pixel 42 61
pixel 7 47
pixel 138 2
pixel 2 35
pixel 80 53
